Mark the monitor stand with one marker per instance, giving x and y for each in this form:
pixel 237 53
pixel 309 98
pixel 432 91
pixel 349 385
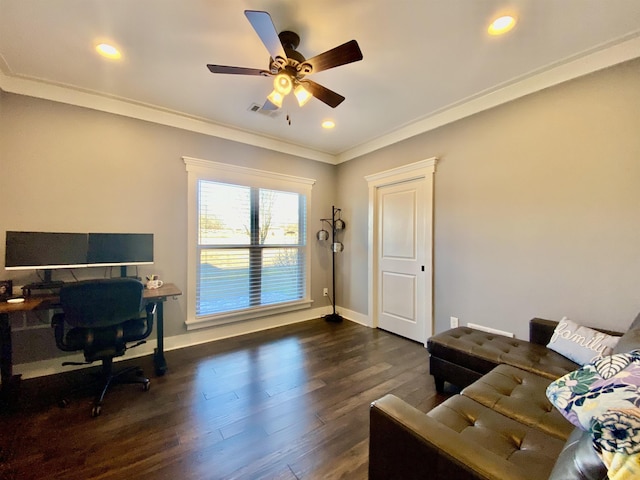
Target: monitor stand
pixel 47 284
pixel 123 273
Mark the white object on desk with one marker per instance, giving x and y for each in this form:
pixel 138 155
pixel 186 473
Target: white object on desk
pixel 153 284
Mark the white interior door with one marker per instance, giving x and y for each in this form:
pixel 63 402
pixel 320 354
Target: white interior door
pixel 400 218
pixel 401 273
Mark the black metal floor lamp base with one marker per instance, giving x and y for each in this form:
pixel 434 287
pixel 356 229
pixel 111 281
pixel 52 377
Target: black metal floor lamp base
pixel 333 317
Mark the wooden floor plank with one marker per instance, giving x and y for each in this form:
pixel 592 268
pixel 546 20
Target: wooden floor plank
pixel 288 403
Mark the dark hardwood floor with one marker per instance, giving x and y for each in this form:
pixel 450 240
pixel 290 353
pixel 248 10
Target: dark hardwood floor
pixel 287 403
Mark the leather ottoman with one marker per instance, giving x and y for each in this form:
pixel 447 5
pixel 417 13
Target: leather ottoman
pixel 462 355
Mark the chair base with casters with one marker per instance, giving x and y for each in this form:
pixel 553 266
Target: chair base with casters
pixel 108 377
pixel 100 317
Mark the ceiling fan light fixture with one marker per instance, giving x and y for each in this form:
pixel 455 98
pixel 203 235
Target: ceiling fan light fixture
pixel 276 98
pixel 302 94
pixel 282 84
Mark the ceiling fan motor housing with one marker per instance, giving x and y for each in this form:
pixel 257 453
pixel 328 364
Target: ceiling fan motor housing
pixel 290 41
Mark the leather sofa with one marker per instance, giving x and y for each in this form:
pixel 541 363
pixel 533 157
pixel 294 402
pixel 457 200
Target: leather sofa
pixel 500 425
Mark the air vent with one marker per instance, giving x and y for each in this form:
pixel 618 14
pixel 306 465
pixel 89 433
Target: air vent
pixel 255 108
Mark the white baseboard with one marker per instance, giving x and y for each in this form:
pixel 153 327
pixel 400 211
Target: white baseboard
pixel 194 337
pixel 355 317
pixel 490 330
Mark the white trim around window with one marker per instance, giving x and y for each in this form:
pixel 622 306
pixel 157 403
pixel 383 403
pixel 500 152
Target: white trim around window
pixel 199 170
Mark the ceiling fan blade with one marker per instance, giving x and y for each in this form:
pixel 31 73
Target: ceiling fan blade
pixel 264 27
pixel 341 55
pixel 323 94
pixel 236 70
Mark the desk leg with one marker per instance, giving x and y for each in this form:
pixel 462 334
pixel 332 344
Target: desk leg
pixel 158 356
pixel 10 382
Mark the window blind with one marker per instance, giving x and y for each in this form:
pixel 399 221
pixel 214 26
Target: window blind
pixel 251 247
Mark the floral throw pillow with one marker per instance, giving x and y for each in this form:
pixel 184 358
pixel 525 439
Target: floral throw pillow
pixel 603 397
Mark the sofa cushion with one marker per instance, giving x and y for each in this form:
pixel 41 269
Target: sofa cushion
pixel 481 352
pixel 578 460
pixel 520 395
pixel 526 448
pixel 579 343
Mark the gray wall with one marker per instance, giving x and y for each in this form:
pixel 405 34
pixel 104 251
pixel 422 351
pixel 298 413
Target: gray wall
pixel 537 204
pixel 66 168
pixel 536 208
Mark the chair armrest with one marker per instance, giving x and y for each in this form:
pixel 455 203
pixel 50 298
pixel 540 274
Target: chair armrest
pixel 150 311
pixel 57 322
pixel 150 308
pixel 405 443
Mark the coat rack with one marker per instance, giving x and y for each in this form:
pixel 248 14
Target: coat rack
pixel 336 224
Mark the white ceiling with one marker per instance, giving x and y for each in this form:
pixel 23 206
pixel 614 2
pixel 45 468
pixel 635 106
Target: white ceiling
pixel 426 62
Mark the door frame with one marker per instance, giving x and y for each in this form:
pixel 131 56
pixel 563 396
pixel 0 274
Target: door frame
pixel 424 170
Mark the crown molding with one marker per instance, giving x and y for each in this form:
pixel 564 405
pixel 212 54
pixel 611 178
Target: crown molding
pixel 531 83
pixel 95 101
pixel 588 62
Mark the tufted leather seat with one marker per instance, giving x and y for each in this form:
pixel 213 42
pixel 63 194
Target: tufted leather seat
pixel 462 355
pixel 526 448
pixel 460 439
pixel 521 396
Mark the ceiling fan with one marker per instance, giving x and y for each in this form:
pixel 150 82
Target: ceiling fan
pixel 289 67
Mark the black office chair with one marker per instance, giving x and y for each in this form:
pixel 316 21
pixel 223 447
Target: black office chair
pixel 102 316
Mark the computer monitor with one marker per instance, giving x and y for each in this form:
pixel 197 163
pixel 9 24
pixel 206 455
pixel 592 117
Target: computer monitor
pixel 45 250
pixel 120 249
pixel 48 251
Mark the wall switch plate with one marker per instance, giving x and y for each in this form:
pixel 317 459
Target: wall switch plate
pixel 454 322
pixel 325 292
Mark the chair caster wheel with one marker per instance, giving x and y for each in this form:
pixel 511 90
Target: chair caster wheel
pixel 64 403
pixel 146 386
pixel 96 410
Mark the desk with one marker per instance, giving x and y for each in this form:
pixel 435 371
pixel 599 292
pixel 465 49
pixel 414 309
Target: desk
pixel 51 301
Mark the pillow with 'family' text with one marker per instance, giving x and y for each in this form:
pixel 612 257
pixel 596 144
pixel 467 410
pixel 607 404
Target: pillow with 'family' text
pixel 579 343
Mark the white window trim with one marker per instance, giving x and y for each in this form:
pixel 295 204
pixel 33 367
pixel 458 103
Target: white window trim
pixel 198 169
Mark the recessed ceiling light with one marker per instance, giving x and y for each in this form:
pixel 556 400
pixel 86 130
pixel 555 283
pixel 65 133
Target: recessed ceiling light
pixel 502 25
pixel 108 51
pixel 328 124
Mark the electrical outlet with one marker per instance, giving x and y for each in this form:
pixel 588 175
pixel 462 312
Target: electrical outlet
pixel 454 322
pixel 325 292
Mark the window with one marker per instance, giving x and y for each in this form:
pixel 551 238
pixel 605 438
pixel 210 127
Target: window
pixel 250 252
